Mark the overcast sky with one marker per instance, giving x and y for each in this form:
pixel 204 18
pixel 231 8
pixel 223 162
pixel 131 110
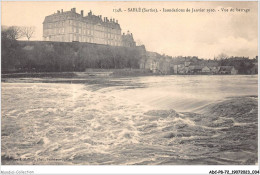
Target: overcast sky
pixel 189 34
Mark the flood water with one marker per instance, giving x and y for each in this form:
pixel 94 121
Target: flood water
pixel 182 120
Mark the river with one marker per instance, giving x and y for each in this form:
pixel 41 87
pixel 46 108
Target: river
pixel 160 120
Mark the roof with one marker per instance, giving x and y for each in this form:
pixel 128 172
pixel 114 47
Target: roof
pixel 205 67
pixel 226 68
pixel 90 18
pixel 152 55
pixel 196 67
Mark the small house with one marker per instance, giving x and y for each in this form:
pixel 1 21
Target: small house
pixel 227 70
pixel 195 69
pixel 206 70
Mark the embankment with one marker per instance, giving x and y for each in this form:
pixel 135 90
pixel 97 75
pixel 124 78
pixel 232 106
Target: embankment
pixel 45 56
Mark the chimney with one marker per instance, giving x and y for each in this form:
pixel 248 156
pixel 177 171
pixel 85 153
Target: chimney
pixel 90 13
pixel 116 21
pixel 82 13
pixel 110 19
pixel 61 10
pixel 100 16
pixel 104 19
pixel 113 19
pixel 58 11
pixel 74 10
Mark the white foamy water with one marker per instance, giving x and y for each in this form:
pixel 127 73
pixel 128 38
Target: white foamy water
pixel 64 120
pixel 51 123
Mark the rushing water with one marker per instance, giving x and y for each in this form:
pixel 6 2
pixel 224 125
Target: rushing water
pixel 143 120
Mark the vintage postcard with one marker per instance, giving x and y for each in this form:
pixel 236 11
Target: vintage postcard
pixel 129 83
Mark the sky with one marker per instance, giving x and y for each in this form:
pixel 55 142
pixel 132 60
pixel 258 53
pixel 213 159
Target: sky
pixel 202 34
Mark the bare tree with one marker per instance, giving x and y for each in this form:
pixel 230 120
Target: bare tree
pixel 28 31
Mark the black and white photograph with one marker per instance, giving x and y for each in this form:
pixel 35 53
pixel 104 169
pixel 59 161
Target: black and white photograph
pixel 129 83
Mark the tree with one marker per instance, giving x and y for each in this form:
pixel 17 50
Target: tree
pixel 28 31
pixel 10 48
pixel 12 33
pixel 222 56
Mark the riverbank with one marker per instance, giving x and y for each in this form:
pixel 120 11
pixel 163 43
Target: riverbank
pixel 92 73
pixel 87 74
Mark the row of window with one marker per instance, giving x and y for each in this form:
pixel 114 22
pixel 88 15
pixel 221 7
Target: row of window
pixel 79 30
pixel 83 25
pixel 96 34
pixel 54 31
pixel 107 35
pixel 93 40
pixel 79 38
pixel 80 24
pixel 55 24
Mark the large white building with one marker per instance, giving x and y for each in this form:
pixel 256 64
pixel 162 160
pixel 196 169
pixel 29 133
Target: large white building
pixel 71 26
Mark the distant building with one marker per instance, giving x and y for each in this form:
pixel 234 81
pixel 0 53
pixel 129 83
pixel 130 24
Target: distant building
pixel 254 69
pixel 196 69
pixel 156 63
pixel 128 40
pixel 214 69
pixel 152 63
pixel 186 63
pixel 164 66
pixel 175 69
pixel 180 69
pixel 227 70
pixel 71 26
pixel 206 70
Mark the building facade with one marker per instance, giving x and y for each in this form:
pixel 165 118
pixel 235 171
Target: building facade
pixel 71 26
pixel 128 40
